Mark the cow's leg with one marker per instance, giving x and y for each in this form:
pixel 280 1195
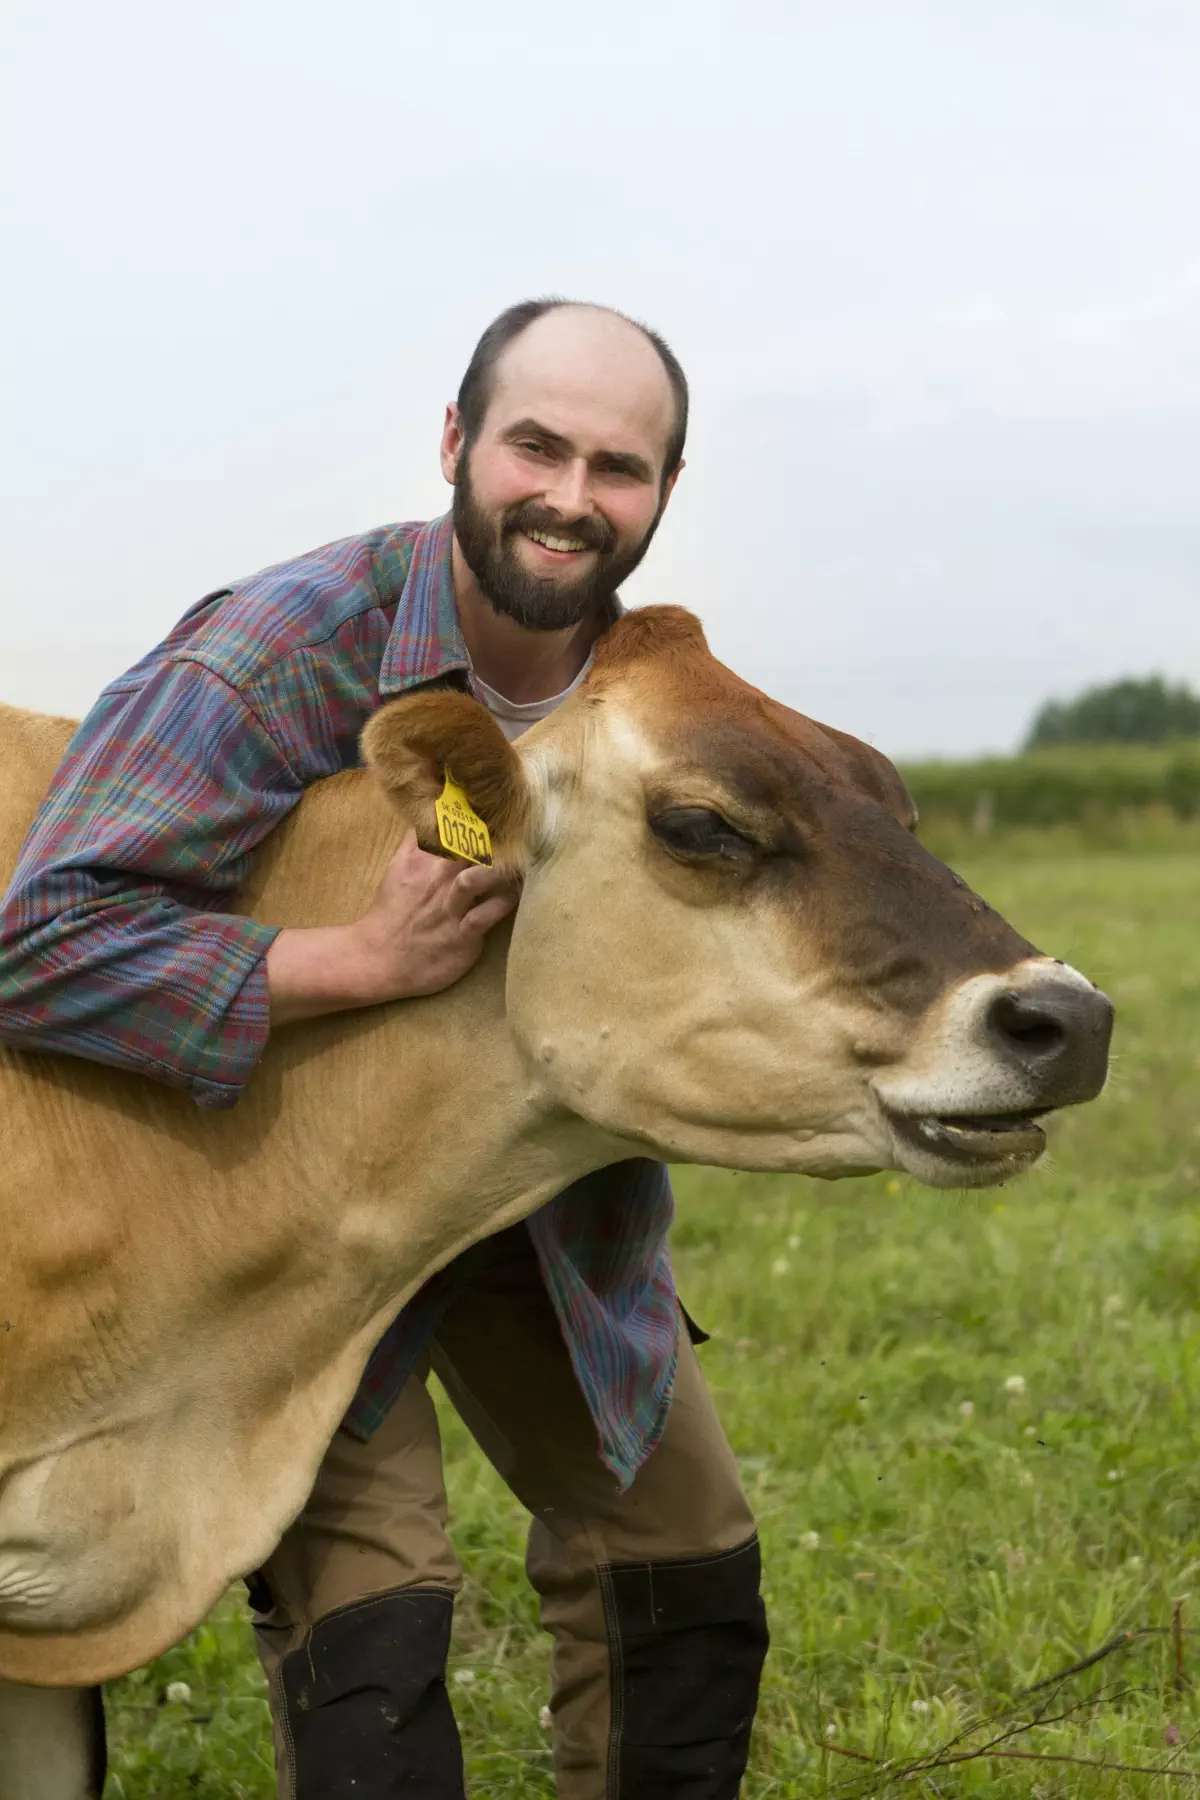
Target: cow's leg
pixel 51 1743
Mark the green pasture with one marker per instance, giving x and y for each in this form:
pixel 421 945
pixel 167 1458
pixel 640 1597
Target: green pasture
pixel 968 1422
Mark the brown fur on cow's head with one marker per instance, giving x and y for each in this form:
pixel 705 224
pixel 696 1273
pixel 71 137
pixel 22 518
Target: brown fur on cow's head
pixel 723 896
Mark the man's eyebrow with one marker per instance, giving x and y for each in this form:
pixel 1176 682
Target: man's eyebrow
pixel 531 428
pixel 625 461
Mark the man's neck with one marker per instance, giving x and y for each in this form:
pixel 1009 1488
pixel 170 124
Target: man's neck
pixel 522 665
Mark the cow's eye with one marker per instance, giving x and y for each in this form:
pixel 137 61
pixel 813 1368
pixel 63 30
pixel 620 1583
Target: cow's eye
pixel 699 831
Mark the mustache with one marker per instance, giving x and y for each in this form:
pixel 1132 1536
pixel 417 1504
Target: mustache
pixel 596 533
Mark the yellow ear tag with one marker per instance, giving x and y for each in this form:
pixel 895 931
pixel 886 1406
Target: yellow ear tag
pixel 462 831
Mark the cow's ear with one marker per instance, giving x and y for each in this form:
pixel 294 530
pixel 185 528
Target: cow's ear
pixel 881 778
pixel 410 744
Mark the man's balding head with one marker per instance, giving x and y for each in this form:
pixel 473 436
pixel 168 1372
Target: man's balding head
pixel 577 339
pixel 563 448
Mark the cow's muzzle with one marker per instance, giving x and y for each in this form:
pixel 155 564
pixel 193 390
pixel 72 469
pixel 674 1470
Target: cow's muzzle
pixel 1005 1053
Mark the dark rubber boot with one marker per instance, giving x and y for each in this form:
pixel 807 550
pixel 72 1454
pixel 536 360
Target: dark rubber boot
pixel 363 1702
pixel 687 1641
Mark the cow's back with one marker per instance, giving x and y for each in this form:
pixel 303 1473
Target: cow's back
pixel 31 748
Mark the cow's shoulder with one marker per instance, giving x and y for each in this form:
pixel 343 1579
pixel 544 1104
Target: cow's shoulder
pixel 31 747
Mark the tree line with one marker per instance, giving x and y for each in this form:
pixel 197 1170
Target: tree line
pixel 1146 711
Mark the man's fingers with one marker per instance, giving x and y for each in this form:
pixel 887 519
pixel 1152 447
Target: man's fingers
pixel 476 885
pixel 479 881
pixel 481 918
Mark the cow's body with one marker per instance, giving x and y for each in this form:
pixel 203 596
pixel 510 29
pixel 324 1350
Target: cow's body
pixel 187 1298
pixel 193 1294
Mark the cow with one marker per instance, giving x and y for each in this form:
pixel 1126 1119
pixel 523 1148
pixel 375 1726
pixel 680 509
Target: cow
pixel 730 949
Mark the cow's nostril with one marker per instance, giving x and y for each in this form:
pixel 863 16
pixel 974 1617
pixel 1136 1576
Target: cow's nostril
pixel 1030 1026
pixel 1052 1032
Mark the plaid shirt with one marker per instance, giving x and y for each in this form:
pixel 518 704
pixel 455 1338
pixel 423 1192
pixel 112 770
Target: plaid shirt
pixel 113 944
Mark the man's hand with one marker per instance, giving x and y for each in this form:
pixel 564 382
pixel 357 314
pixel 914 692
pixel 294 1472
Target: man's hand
pixel 422 932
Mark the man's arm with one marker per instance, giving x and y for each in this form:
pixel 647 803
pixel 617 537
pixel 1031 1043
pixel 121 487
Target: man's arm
pixel 424 928
pixel 112 944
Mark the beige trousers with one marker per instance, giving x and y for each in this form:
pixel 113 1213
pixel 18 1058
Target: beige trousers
pixel 376 1521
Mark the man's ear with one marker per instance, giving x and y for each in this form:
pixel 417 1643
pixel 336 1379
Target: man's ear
pixel 408 746
pixel 452 443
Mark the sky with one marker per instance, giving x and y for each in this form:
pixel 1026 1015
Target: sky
pixel 933 271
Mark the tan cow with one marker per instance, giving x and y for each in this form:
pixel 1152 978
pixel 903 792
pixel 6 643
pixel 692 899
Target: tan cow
pixel 729 950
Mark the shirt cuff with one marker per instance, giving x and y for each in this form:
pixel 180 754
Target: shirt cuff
pixel 235 1050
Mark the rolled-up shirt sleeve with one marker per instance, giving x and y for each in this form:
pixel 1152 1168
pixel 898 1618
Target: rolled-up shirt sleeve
pixel 113 944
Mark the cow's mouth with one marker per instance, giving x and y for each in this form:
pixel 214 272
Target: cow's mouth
pixel 973 1139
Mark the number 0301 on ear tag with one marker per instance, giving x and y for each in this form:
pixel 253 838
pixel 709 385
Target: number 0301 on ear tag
pixel 460 828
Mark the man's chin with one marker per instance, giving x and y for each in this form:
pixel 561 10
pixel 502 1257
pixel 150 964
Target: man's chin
pixel 543 598
pixel 543 605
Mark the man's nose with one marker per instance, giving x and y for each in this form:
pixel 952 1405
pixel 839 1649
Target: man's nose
pixel 568 491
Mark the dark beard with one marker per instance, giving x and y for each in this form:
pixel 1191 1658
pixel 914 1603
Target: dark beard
pixel 546 602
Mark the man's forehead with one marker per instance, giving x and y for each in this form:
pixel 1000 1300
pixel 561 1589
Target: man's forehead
pixel 582 369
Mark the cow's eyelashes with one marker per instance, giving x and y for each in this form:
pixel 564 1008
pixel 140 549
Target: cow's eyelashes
pixel 699 831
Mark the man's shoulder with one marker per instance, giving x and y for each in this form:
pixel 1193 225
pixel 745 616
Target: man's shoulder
pixel 322 598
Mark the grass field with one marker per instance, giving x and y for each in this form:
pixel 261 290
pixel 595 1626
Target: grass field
pixel 968 1423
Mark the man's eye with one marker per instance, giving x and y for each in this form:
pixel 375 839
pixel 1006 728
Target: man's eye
pixel 535 449
pixel 699 831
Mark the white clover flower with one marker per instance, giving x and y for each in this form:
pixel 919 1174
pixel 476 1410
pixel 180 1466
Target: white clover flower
pixel 780 1266
pixel 1114 1304
pixel 810 1540
pixel 178 1693
pixel 464 1677
pixel 1114 1475
pixel 793 1242
pixel 831 1728
pixel 966 1409
pixel 1031 1431
pixel 1014 1384
pixel 546 1719
pixel 920 1706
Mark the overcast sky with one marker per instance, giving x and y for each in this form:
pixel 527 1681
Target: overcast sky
pixel 933 270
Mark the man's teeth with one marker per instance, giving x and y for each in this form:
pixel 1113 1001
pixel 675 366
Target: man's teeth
pixel 555 543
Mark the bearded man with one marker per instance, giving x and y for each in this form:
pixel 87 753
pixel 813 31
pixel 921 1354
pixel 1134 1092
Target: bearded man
pixel 559 1341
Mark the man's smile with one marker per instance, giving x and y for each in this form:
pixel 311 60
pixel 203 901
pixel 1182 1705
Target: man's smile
pixel 554 546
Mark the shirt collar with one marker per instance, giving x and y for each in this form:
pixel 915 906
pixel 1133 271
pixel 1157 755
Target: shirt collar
pixel 426 640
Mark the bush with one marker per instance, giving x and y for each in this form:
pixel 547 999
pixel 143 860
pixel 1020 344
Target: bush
pixel 1087 785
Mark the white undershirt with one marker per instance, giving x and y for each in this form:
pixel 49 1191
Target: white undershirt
pixel 514 717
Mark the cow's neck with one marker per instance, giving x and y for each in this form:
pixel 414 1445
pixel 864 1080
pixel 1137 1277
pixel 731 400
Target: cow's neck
pixel 432 1091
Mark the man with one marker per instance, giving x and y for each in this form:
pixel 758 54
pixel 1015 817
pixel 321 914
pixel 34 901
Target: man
pixel 559 1341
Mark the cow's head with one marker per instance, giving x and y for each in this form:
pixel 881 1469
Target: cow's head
pixel 730 947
